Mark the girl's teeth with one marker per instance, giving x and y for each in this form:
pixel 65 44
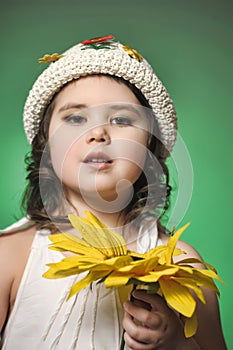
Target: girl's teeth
pixel 94 160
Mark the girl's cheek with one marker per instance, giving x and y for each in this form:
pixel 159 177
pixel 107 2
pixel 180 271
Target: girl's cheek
pixel 133 151
pixel 61 156
pixel 62 143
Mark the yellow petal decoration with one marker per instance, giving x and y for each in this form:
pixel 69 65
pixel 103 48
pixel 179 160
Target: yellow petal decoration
pixel 132 53
pixel 103 256
pixel 50 58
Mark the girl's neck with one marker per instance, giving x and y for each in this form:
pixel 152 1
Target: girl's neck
pixel 115 220
pixel 106 213
pixel 111 219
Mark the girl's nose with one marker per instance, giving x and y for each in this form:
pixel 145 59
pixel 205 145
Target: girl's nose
pixel 98 134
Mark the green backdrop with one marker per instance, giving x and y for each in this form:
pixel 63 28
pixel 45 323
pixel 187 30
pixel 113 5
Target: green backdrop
pixel 189 43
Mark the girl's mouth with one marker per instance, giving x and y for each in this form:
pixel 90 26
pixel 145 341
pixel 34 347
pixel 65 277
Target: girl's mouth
pixel 98 161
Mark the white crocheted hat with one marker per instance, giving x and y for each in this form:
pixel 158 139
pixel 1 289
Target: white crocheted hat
pixel 101 55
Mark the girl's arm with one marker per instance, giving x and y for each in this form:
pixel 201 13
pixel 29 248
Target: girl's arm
pixel 159 327
pixel 6 278
pixel 14 252
pixel 209 333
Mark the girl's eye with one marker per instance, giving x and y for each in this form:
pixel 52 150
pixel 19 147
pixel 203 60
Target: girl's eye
pixel 75 119
pixel 121 121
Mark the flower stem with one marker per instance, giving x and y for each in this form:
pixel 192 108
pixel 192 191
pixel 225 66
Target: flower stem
pixel 122 341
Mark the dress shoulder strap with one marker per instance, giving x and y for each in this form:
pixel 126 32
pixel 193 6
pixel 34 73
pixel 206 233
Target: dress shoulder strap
pixel 148 236
pixel 20 225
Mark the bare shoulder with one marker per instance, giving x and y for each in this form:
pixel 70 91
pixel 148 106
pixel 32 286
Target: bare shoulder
pixel 14 253
pixel 15 246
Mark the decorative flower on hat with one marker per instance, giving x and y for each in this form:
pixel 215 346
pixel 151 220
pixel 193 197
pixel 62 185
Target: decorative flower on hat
pixel 132 53
pixel 50 58
pixel 103 253
pixel 102 42
pixel 100 39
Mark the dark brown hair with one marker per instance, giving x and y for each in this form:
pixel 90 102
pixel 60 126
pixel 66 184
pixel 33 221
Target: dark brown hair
pixel 150 198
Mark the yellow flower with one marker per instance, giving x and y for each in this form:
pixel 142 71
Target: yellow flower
pixel 132 53
pixel 173 281
pixel 100 251
pixel 50 58
pixel 103 253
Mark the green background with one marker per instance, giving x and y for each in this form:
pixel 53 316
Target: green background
pixel 189 43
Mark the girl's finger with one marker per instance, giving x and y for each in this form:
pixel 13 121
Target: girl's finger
pixel 143 316
pixel 154 300
pixel 137 336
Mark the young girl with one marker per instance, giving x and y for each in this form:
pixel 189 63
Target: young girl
pixel 101 126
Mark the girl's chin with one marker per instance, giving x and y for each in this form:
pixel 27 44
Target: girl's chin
pixel 99 194
pixel 101 200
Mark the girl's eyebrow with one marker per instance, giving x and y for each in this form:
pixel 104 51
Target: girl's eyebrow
pixel 128 107
pixel 114 107
pixel 72 106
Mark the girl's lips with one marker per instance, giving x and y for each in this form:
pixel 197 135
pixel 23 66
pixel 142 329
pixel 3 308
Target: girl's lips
pixel 98 160
pixel 99 165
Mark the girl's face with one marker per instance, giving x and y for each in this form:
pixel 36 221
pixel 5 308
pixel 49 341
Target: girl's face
pixel 97 137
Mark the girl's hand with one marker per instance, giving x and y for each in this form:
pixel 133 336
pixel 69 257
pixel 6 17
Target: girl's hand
pixel 150 324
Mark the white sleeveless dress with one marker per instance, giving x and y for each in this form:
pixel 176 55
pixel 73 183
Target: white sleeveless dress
pixel 42 318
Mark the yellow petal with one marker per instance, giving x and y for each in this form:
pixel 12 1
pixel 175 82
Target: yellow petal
pixel 136 255
pixel 83 283
pixel 77 248
pixel 50 58
pixel 123 293
pixel 156 252
pixel 189 283
pixel 172 243
pixel 50 274
pixel 113 263
pixel 199 277
pixel 138 271
pixel 119 240
pixel 94 220
pixel 75 260
pixel 116 279
pixel 70 242
pixel 73 265
pixel 208 273
pixel 87 230
pixel 190 326
pixel 178 296
pixel 161 252
pixel 205 281
pixel 96 234
pixel 60 272
pixel 60 237
pixel 197 261
pixel 114 238
pixel 185 269
pixel 154 276
pixel 53 273
pixel 140 267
